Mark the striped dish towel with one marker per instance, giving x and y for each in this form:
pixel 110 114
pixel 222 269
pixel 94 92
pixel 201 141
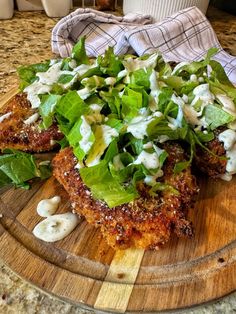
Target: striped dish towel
pixel 184 36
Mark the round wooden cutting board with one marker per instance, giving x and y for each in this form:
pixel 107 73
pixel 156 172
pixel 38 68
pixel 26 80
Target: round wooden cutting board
pixel 82 268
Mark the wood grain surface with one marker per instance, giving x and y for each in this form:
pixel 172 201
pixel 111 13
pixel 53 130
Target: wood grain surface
pixel 82 268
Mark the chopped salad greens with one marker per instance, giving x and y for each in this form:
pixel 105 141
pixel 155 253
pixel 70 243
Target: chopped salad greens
pixel 18 168
pixel 116 112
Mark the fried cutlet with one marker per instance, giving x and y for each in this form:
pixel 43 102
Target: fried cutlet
pixel 19 127
pixel 146 222
pixel 211 164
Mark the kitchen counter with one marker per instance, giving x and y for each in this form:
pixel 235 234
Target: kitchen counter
pixel 26 39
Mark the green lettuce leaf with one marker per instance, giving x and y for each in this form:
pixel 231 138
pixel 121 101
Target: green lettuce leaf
pixel 215 116
pixel 132 101
pixel 71 106
pixel 17 168
pixel 105 187
pixel 79 52
pixel 27 73
pixel 110 64
pixel 141 78
pixel 47 109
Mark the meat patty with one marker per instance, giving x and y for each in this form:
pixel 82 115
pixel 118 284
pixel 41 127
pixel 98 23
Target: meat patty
pixel 17 133
pixel 146 222
pixel 213 165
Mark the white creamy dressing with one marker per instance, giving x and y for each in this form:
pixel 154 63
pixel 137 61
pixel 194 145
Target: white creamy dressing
pixel 83 68
pixel 227 103
pixel 151 180
pixel 34 90
pixel 84 93
pixel 158 150
pixel 95 108
pixel 149 160
pixel 32 119
pixel 85 131
pixel 138 126
pixel 228 137
pixel 79 165
pixel 104 135
pixel 136 64
pixel 122 74
pixel 50 77
pixel 5 116
pixel 203 93
pixel 178 101
pixel 148 145
pixel 193 78
pixel 155 90
pixel 163 138
pixel 48 207
pixel 44 84
pixel 191 115
pixel 185 98
pixel 56 227
pixel 231 163
pixel 110 81
pixel 178 67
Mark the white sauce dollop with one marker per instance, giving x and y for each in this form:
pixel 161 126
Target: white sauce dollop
pixel 32 119
pixel 55 228
pixel 150 161
pixel 227 103
pixel 85 131
pixel 5 116
pixel 228 137
pixel 110 81
pixel 48 207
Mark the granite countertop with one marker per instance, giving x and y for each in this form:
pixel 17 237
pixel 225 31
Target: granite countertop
pixel 26 39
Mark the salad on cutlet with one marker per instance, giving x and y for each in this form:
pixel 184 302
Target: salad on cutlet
pixel 117 112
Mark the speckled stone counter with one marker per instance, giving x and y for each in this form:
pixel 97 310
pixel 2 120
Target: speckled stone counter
pixel 26 39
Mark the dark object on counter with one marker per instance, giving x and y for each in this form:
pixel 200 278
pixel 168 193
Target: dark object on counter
pixel 105 5
pixel 228 6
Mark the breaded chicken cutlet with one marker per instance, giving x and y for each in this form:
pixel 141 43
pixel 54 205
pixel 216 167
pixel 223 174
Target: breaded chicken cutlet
pixel 19 127
pixel 212 164
pixel 146 222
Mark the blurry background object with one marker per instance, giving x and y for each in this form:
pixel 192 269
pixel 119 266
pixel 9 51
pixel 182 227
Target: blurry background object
pixel 226 5
pixel 56 8
pixel 159 9
pixel 106 4
pixel 29 5
pixel 6 9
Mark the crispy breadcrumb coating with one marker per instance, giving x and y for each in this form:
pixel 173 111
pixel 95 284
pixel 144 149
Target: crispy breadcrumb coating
pixel 16 134
pixel 212 165
pixel 148 221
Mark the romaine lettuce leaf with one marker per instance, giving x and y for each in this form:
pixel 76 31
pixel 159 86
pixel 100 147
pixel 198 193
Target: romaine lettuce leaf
pixel 47 109
pixel 110 64
pixel 132 101
pixel 141 78
pixel 104 187
pixel 79 52
pixel 17 168
pixel 215 116
pixel 71 106
pixel 27 73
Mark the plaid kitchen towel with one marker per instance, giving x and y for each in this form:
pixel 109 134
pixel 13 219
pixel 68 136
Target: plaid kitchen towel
pixel 184 36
